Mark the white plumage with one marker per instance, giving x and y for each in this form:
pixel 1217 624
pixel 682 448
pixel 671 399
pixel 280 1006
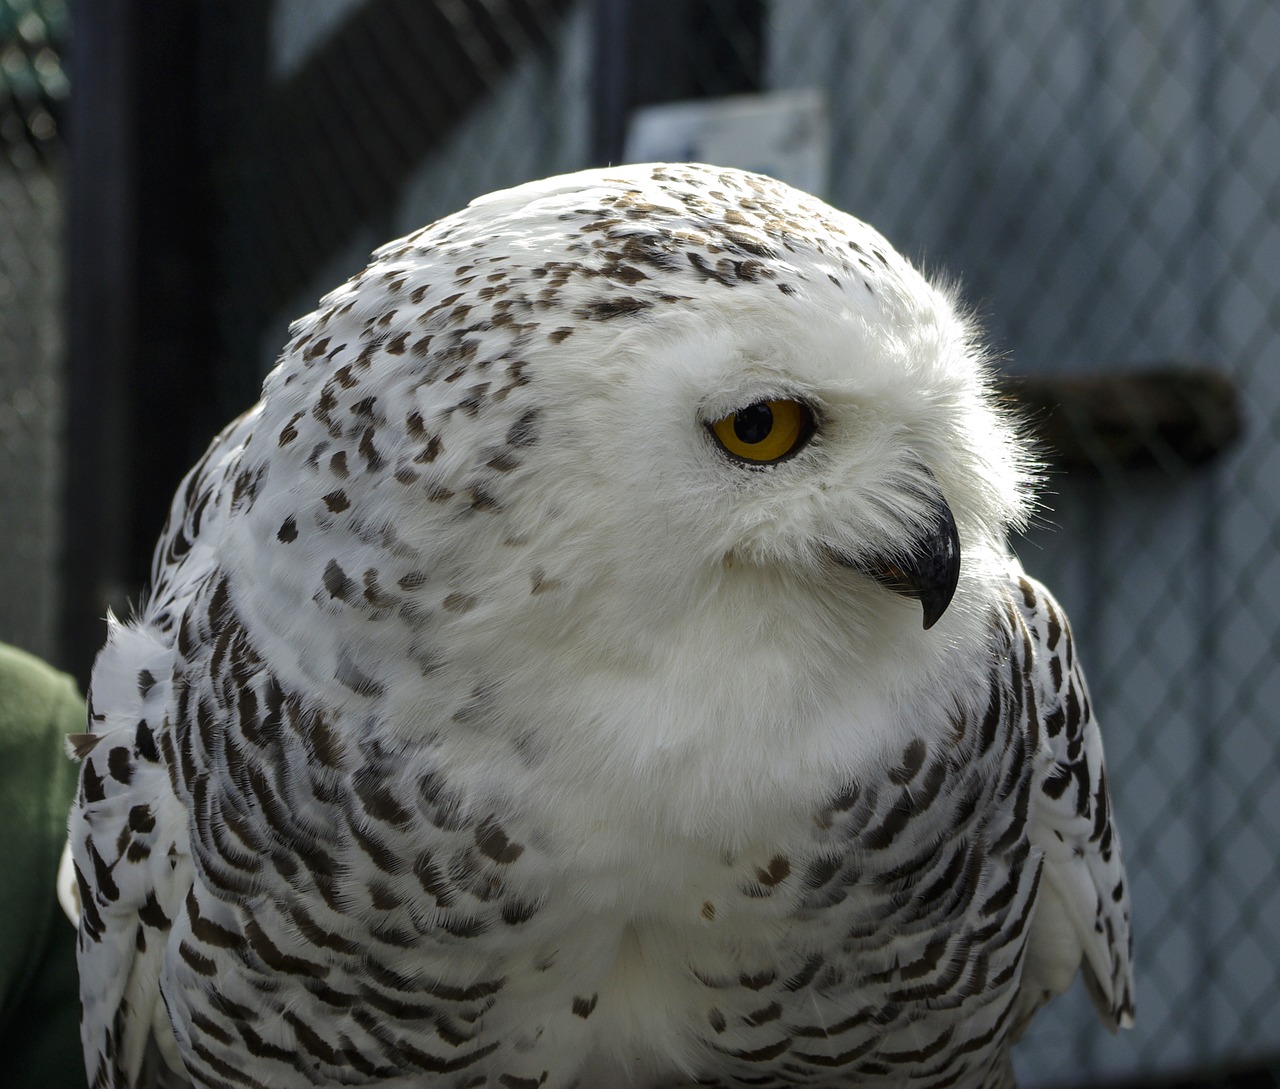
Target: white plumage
pixel 533 689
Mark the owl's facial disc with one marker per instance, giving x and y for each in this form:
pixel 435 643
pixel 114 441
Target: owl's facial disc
pixel 927 568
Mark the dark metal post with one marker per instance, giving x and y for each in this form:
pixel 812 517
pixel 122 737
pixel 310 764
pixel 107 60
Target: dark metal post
pixel 138 299
pixel 649 51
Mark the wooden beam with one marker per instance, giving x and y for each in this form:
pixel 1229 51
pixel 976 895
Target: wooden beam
pixel 1168 416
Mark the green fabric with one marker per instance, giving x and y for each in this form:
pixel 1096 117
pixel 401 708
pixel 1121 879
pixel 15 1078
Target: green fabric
pixel 39 1003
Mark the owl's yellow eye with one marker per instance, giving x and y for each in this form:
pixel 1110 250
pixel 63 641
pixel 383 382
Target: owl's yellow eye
pixel 764 432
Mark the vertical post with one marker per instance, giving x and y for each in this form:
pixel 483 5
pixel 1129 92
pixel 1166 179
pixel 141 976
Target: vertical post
pixel 101 319
pixel 139 341
pixel 649 51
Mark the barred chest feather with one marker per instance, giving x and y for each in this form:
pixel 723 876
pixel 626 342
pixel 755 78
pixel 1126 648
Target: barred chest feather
pixel 392 895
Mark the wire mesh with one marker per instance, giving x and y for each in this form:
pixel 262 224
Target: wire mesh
pixel 1105 180
pixel 400 113
pixel 32 88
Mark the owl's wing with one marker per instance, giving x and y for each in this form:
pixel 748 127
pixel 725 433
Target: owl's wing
pixel 128 831
pixel 1082 919
pixel 132 868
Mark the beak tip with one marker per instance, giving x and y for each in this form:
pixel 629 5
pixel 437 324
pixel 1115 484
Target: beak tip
pixel 929 573
pixel 940 566
pixel 937 593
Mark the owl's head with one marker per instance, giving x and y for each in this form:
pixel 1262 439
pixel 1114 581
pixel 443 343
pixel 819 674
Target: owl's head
pixel 608 410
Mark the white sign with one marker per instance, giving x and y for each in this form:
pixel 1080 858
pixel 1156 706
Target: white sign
pixel 783 134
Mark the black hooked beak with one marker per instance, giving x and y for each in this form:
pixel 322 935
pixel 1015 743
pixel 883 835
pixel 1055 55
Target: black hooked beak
pixel 927 570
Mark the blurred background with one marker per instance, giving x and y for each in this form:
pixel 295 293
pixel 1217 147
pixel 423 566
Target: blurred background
pixel 178 181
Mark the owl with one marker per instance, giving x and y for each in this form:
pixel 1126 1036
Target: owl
pixel 598 661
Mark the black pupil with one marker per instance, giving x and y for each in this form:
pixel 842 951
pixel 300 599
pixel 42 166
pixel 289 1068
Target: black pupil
pixel 753 423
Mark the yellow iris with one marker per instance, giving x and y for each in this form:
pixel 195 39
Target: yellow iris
pixel 764 432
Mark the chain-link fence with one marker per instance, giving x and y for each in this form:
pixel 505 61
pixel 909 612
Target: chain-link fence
pixel 1105 180
pixel 33 87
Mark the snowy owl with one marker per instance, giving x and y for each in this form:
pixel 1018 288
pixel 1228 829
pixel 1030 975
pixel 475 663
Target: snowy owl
pixel 597 661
